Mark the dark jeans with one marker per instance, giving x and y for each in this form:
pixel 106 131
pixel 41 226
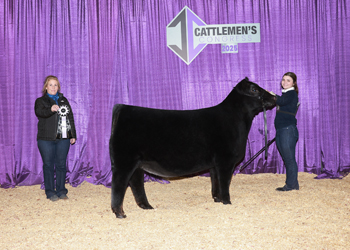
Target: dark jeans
pixel 54 155
pixel 286 140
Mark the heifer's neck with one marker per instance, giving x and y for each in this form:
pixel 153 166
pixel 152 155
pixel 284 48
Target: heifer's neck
pixel 249 106
pixel 243 107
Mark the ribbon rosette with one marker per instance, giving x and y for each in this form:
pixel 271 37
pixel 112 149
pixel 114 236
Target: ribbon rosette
pixel 63 110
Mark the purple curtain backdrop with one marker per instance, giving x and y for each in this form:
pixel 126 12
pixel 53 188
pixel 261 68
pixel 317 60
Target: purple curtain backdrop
pixel 107 52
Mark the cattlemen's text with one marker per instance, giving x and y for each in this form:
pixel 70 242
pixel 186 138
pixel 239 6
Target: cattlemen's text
pixel 225 30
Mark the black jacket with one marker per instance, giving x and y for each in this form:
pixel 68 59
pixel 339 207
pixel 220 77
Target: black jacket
pixel 286 108
pixel 48 120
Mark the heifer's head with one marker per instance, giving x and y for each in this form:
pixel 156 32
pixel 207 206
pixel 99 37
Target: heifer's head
pixel 258 97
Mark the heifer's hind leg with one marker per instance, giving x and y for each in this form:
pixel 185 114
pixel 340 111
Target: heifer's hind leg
pixel 137 185
pixel 119 186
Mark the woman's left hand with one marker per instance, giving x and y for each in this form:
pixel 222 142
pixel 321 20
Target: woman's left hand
pixel 72 141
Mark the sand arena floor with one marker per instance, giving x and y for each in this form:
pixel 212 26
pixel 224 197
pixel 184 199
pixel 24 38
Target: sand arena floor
pixel 185 216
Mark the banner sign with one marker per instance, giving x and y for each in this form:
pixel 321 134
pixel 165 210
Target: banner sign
pixel 187 35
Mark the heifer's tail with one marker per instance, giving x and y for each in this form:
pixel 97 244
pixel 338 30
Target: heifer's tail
pixel 116 112
pixel 115 116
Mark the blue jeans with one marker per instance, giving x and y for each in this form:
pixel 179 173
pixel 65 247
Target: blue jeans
pixel 286 140
pixel 54 154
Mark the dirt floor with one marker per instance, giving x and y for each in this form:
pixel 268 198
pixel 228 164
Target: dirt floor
pixel 185 216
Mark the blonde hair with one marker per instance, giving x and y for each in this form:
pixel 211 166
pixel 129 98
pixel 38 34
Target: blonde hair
pixel 46 82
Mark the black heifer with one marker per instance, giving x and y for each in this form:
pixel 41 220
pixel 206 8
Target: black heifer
pixel 171 143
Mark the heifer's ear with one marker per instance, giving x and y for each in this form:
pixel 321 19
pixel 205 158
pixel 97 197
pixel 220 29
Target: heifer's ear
pixel 246 78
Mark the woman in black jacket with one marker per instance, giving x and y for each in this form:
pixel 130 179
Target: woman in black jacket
pixel 56 131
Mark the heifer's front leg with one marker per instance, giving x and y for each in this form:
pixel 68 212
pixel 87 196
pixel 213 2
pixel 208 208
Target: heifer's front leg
pixel 215 191
pixel 224 177
pixel 137 185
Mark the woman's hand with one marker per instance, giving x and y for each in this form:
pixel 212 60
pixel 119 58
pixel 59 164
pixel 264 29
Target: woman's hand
pixel 54 108
pixel 72 141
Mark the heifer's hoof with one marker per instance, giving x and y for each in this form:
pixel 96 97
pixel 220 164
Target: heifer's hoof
pixel 119 213
pixel 226 202
pixel 120 216
pixel 216 199
pixel 145 206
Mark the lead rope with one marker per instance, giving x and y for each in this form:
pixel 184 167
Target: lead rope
pixel 265 126
pixel 267 144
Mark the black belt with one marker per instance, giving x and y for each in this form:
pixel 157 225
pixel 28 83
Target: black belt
pixel 285 112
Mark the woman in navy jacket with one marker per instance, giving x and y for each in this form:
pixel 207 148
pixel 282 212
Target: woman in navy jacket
pixel 56 131
pixel 287 133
